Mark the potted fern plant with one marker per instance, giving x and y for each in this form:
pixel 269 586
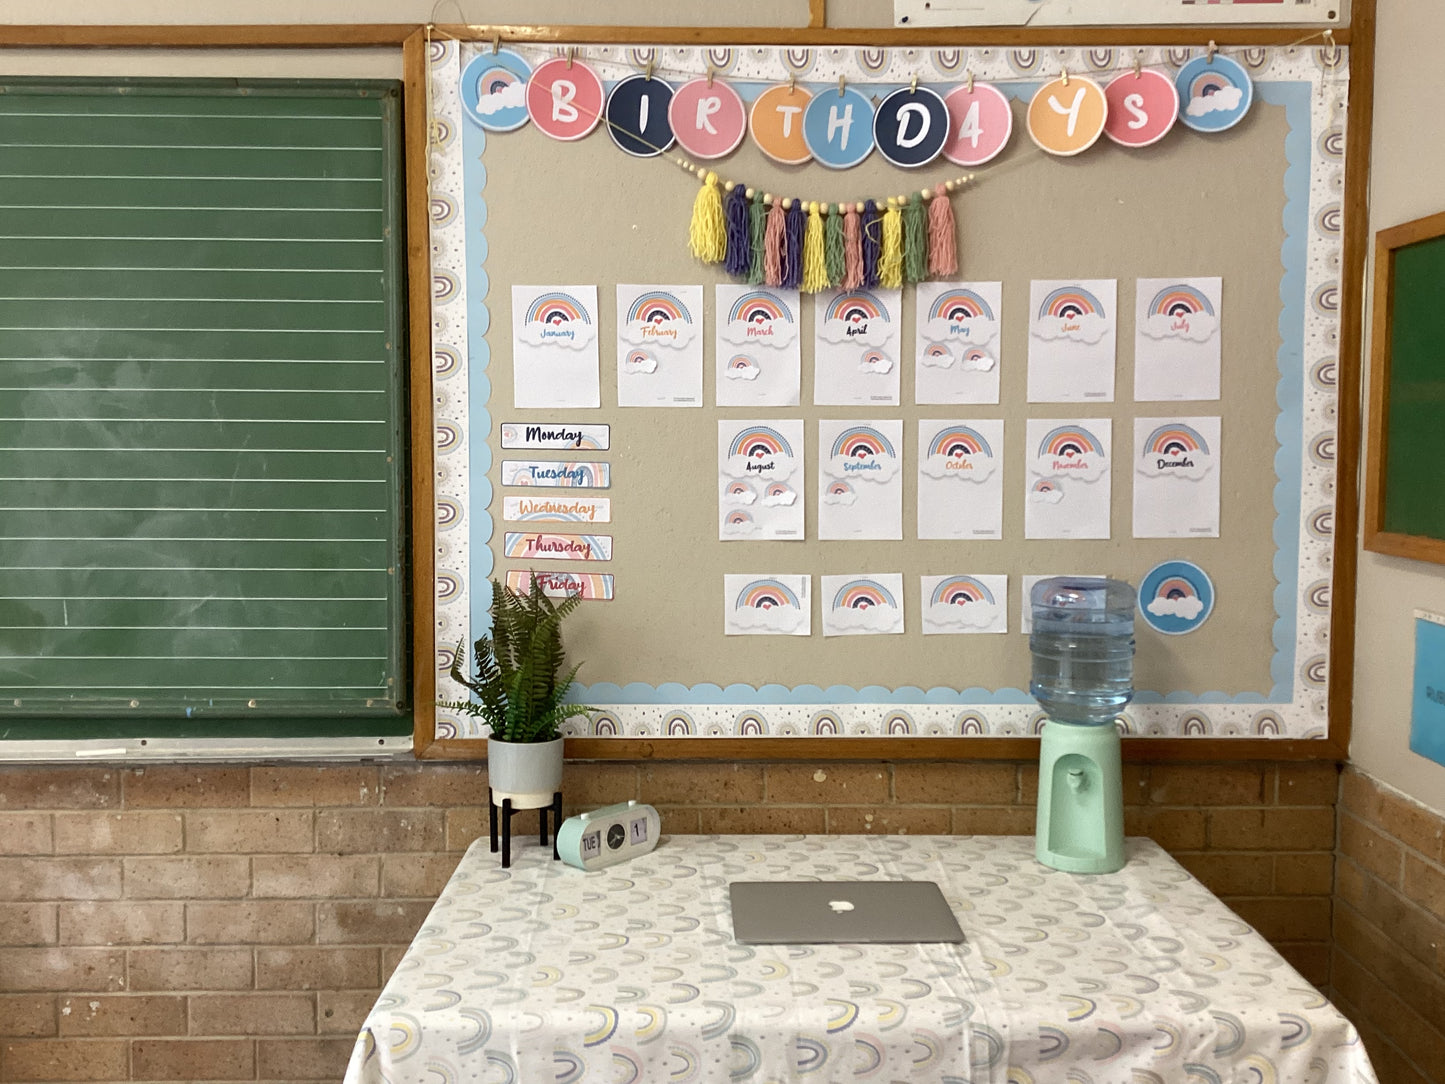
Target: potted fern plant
pixel 519 691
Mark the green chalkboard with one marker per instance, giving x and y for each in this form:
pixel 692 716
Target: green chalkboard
pixel 202 409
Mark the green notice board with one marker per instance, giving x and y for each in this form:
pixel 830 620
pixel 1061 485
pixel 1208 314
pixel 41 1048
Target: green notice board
pixel 1416 391
pixel 202 410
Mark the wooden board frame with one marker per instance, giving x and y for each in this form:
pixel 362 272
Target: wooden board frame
pixel 1376 538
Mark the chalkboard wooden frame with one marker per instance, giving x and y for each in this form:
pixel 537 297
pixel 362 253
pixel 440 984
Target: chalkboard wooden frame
pixel 1378 537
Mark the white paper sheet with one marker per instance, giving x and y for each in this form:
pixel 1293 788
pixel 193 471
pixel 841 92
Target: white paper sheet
pixel 1176 477
pixel 1068 483
pixel 958 342
pixel 857 347
pixel 860 480
pixel 764 605
pixel 1072 330
pixel 866 605
pixel 760 480
pixel 758 348
pixel 659 346
pixel 960 479
pixel 554 347
pixel 1177 339
pixel 960 604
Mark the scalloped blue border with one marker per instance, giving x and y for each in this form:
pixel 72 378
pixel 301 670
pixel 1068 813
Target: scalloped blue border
pixel 1294 96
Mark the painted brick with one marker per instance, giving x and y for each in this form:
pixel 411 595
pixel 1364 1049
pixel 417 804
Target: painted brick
pixel 365 831
pixel 59 878
pixel 300 785
pixel 405 785
pixel 26 833
pixel 137 922
pixel 302 1059
pixel 688 782
pixel 65 1059
pixel 1305 918
pixel 1133 782
pixel 1425 884
pixel 28 924
pixel 193 1059
pixel 465 826
pixel 762 819
pixel 1232 874
pixel 1390 1065
pixel 63 970
pixel 680 820
pixel 827 783
pixel 588 785
pixel 1304 874
pixel 1359 795
pixel 253 1014
pixel 122 1015
pixel 31 787
pixel 1391 965
pixel 1307 829
pixel 1216 784
pixel 314 876
pixel 250 922
pixel 1414 929
pixel 342 1012
pixel 313 968
pixel 1389 1013
pixel 1373 850
pixel 1413 825
pixel 257 831
pixel 179 785
pixel 27 1016
pixel 889 820
pixel 1173 829
pixel 117 833
pixel 168 970
pixel 997 821
pixel 423 875
pixel 1307 784
pixel 391 958
pixel 211 877
pixel 955 783
pixel 369 921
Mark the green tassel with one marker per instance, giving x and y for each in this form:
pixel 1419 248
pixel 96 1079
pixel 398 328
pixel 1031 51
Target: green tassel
pixel 833 244
pixel 915 242
pixel 757 216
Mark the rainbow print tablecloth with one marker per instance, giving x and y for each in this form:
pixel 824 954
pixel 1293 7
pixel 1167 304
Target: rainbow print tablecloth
pixel 544 973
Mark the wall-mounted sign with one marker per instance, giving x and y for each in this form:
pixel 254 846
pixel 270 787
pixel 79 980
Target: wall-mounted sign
pixel 1115 12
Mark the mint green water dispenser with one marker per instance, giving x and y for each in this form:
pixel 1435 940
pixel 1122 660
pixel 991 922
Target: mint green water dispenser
pixel 1083 675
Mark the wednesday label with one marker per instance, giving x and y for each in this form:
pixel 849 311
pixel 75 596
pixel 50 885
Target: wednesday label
pixel 558 509
pixel 555 435
pixel 559 547
pixel 528 472
pixel 590 585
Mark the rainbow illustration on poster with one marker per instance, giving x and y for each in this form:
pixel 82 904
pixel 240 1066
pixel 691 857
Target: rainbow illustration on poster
pixel 759 442
pixel 1068 441
pixel 738 518
pixel 760 308
pixel 1046 491
pixel 937 354
pixel 976 359
pixel 1070 303
pixel 863 594
pixel 656 307
pixel 1045 485
pixel 959 442
pixel 1180 299
pixel 777 493
pixel 738 492
pixel 1175 439
pixel 838 489
pixel 1176 597
pixel 856 307
pixel 860 442
pixel 875 361
pixel 557 309
pixel 955 306
pixel 639 362
pixel 769 594
pixel 959 591
pixel 742 367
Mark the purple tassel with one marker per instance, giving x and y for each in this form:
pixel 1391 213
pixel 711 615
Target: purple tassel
pixel 735 214
pixel 872 243
pixel 793 246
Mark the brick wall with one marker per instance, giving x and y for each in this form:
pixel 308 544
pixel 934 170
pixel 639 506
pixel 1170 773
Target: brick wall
pixel 236 923
pixel 1388 968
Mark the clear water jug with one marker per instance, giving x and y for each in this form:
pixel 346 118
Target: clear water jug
pixel 1083 648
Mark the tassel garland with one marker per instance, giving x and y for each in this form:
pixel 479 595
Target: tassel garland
pixel 942 234
pixel 890 263
pixel 801 244
pixel 707 237
pixel 815 269
pixel 739 241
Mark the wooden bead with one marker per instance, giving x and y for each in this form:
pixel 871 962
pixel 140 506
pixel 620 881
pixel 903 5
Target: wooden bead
pixel 858 207
pixel 728 186
pixel 787 203
pixel 750 193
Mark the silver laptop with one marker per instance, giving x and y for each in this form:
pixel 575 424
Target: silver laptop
pixel 841 912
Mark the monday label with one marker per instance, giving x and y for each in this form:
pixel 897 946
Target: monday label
pixel 555 435
pixel 558 547
pixel 529 472
pixel 558 509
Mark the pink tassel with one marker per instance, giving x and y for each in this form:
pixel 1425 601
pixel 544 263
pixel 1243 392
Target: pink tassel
pixel 942 235
pixel 852 249
pixel 773 245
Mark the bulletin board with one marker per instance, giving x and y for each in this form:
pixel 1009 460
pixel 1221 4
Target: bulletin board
pixel 1259 207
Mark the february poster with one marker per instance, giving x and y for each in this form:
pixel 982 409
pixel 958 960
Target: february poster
pixel 659 346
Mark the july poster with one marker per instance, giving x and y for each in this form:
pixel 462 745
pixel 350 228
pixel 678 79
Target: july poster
pixel 1177 339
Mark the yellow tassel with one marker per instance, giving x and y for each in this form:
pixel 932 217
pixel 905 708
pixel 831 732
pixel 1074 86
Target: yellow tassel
pixel 707 237
pixel 890 263
pixel 815 268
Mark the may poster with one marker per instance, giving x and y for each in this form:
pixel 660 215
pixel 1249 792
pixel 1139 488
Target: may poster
pixel 958 342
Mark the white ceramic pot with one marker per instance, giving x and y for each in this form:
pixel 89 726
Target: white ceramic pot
pixel 529 773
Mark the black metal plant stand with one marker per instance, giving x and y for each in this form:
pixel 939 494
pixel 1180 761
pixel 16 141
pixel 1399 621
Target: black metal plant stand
pixel 507 812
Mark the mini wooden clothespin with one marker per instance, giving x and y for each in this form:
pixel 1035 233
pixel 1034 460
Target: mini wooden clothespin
pixel 711 71
pixel 1065 72
pixel 913 84
pixel 650 64
pixel 1209 56
pixel 571 55
pixel 496 44
pixel 840 86
pixel 970 80
pixel 1138 67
